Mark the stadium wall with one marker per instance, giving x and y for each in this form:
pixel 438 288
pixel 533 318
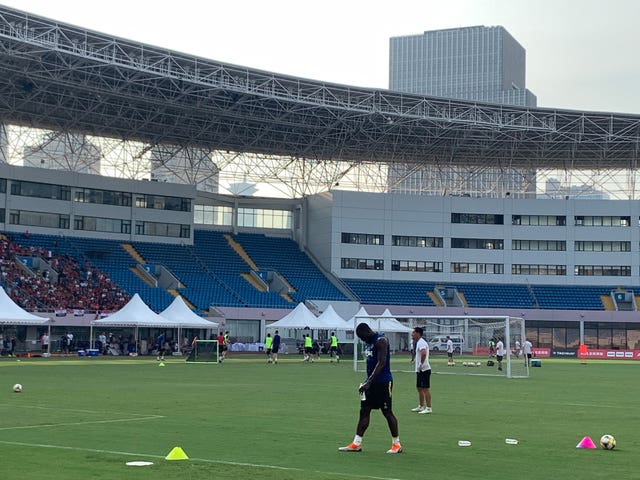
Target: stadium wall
pixel 465 219
pixel 62 200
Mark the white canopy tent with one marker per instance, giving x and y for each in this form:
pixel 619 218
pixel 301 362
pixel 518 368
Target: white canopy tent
pixel 387 323
pixel 299 317
pixel 332 320
pixel 183 316
pixel 12 314
pixel 134 314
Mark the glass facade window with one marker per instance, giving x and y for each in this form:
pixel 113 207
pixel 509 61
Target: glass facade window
pixel 163 229
pixel 539 245
pixel 478 243
pixel 264 218
pixel 410 241
pixel 161 202
pixel 361 264
pixel 602 221
pixel 39 219
pixel 415 266
pixel 40 190
pixel 602 246
pixel 539 220
pixel 102 197
pixel 528 269
pixel 363 238
pixel 96 224
pixel 602 271
pixel 477 218
pixel 212 215
pixel 489 268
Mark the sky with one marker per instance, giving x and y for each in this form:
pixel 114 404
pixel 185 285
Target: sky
pixel 581 54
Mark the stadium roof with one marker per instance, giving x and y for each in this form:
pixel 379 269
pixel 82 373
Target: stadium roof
pixel 66 78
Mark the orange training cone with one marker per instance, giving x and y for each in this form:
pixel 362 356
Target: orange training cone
pixel 586 442
pixel 178 454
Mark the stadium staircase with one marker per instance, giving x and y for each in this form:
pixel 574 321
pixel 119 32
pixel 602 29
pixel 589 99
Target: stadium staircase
pixel 131 250
pixel 145 276
pixel 435 298
pixel 241 251
pixel 253 277
pixel 608 302
pixel 284 257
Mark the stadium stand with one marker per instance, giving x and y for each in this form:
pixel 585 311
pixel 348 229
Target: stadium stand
pixel 284 256
pixel 39 274
pixel 391 292
pixel 211 272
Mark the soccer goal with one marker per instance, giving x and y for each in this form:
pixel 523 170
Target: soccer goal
pixel 204 351
pixel 472 337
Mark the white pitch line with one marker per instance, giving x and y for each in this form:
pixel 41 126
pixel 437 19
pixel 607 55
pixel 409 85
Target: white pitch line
pixel 204 460
pixel 91 422
pixel 74 410
pixel 556 404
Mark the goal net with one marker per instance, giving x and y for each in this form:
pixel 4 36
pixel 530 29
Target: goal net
pixel 474 341
pixel 204 351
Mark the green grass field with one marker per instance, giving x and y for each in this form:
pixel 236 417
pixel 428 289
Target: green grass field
pixel 84 418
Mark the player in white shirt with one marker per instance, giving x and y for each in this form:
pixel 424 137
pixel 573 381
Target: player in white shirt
pixel 450 362
pixel 423 371
pixel 527 350
pixel 500 351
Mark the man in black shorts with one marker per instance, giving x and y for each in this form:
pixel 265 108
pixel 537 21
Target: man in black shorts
pixel 375 392
pixel 275 347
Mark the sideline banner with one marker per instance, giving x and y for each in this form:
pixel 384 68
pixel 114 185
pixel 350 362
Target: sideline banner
pixel 612 354
pixel 604 354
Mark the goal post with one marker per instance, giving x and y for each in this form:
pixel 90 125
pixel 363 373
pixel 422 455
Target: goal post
pixel 471 337
pixel 204 351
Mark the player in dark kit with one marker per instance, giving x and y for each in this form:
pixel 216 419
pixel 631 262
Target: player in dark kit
pixel 376 390
pixel 275 347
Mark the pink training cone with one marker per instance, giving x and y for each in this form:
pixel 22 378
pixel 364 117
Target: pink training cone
pixel 586 442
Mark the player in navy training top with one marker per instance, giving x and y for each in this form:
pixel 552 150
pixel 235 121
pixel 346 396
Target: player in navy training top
pixel 377 388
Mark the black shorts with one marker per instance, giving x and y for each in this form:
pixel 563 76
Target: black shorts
pixel 269 351
pixel 450 354
pixel 378 396
pixel 528 355
pixel 423 379
pixel 334 350
pixel 308 350
pixel 499 358
pixel 275 349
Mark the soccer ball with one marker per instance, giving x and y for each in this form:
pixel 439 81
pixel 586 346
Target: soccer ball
pixel 464 364
pixel 17 388
pixel 477 364
pixel 607 442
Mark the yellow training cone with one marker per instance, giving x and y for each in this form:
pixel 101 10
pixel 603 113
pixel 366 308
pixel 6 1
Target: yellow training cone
pixel 176 454
pixel 161 364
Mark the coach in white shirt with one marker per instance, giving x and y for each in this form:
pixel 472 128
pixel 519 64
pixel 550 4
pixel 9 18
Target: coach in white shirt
pixel 499 353
pixel 423 371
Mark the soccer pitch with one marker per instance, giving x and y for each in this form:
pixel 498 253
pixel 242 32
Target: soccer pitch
pixel 80 418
